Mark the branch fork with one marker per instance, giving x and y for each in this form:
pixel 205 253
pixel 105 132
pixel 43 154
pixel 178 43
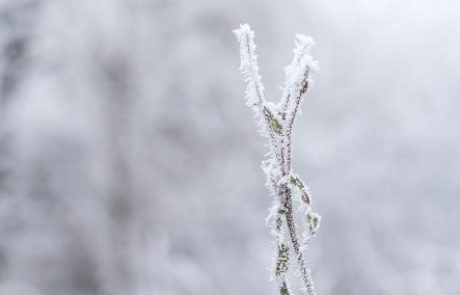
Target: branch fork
pixel 275 122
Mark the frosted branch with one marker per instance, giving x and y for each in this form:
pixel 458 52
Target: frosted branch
pixel 276 123
pixel 298 79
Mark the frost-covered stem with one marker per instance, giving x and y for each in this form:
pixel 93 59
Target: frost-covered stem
pixel 304 270
pixel 297 81
pixel 295 87
pixel 276 123
pixel 284 195
pixel 290 124
pixel 282 261
pixel 255 89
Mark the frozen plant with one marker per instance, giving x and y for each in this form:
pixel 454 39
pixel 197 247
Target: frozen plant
pixel 275 122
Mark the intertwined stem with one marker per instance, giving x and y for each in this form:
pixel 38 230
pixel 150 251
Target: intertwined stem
pixel 276 123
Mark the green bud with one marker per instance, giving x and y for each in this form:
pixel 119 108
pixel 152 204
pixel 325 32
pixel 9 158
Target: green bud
pixel 313 220
pixel 282 261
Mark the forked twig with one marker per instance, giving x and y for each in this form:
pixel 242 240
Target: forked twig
pixel 276 123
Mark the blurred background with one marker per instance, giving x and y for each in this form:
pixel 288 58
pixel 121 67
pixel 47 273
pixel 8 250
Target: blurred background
pixel 129 164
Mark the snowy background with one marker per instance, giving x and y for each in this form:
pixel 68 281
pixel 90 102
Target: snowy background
pixel 129 164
